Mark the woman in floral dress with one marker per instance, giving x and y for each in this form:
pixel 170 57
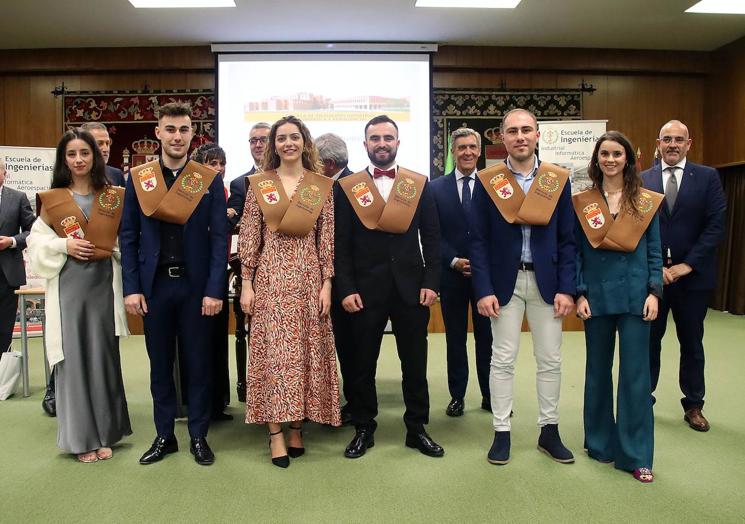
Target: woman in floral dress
pixel 287 291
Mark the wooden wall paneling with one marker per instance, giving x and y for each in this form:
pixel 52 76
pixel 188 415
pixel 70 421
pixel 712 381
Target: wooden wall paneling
pixel 17 110
pixel 2 111
pixel 44 112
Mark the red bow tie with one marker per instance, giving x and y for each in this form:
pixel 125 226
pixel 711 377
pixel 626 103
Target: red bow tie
pixel 377 173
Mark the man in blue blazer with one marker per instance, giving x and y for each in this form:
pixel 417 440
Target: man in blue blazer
pixel 174 277
pixel 523 269
pixel 257 141
pixel 691 228
pixel 453 198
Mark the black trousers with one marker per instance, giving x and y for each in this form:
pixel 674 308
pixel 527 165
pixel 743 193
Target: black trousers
pixel 409 324
pixel 454 301
pixel 8 308
pixel 689 311
pixel 175 315
pixel 344 341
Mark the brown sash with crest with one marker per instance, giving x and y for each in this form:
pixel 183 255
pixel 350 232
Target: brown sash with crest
pixel 61 212
pixel 295 216
pixel 177 204
pixel 621 234
pixel 516 207
pixel 394 216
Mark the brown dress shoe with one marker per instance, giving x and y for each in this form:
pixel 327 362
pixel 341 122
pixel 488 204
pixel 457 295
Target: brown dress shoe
pixel 696 419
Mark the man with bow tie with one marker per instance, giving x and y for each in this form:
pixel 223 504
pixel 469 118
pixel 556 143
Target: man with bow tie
pixel 453 197
pixel 383 273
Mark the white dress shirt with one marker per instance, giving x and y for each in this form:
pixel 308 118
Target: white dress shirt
pixel 383 183
pixel 679 167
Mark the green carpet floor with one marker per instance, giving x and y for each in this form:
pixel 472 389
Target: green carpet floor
pixel 699 477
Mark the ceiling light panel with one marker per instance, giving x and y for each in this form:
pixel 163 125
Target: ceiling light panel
pixel 181 4
pixel 478 4
pixel 721 7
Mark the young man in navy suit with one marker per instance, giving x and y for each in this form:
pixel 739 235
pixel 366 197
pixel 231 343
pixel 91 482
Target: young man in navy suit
pixel 520 269
pixel 453 197
pixel 691 228
pixel 174 277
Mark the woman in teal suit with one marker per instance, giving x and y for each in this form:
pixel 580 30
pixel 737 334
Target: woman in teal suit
pixel 619 292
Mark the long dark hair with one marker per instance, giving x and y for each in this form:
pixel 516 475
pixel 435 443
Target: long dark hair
pixel 310 158
pixel 61 175
pixel 632 181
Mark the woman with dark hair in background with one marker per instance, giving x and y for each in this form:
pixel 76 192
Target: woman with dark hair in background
pixel 286 246
pixel 213 155
pixel 73 245
pixel 619 280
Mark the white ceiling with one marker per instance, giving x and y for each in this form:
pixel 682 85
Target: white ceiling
pixel 633 24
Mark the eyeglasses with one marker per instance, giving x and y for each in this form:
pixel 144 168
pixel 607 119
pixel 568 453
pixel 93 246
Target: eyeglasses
pixel 676 139
pixel 258 140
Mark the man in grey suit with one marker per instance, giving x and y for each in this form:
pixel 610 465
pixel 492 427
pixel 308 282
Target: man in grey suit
pixel 16 219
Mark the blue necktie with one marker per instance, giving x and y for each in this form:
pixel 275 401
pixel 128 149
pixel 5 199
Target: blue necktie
pixel 466 200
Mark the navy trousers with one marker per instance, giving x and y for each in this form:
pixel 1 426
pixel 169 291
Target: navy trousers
pixel 175 316
pixel 689 311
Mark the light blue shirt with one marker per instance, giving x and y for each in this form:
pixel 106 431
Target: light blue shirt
pixel 525 182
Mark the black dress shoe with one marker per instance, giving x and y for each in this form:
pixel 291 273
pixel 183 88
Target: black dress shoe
pixel 363 439
pixel 424 444
pixel 221 417
pixel 49 403
pixel 201 450
pixel 161 447
pixel 455 408
pixel 293 451
pixel 284 460
pixel 486 404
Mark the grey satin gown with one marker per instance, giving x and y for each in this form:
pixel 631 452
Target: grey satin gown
pixel 91 404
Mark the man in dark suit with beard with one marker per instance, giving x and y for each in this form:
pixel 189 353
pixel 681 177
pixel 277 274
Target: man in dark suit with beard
pixel 691 228
pixel 333 153
pixel 385 274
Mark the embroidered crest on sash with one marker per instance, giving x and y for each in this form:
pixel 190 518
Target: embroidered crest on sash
pixel 311 195
pixel 501 186
pixel 72 228
pixel 406 189
pixel 269 192
pixel 109 200
pixel 363 194
pixel 192 183
pixel 645 202
pixel 148 180
pixel 594 216
pixel 549 182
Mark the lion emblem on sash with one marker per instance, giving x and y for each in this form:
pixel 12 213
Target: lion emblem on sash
pixel 406 189
pixel 502 186
pixel 362 194
pixel 192 183
pixel 148 180
pixel 72 228
pixel 549 182
pixel 269 192
pixel 109 200
pixel 594 215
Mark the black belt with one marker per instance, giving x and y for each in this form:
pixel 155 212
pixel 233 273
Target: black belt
pixel 525 266
pixel 173 271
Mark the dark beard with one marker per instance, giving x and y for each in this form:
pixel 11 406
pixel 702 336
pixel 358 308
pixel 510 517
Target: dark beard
pixel 391 159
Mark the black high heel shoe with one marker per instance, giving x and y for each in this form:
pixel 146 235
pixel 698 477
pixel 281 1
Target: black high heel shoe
pixel 292 451
pixel 284 460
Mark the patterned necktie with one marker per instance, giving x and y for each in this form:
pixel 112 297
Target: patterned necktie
pixel 390 173
pixel 671 190
pixel 466 200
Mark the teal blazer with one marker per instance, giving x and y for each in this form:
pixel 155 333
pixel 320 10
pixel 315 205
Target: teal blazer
pixel 615 283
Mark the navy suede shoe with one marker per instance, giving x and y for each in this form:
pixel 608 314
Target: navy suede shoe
pixel 550 443
pixel 499 453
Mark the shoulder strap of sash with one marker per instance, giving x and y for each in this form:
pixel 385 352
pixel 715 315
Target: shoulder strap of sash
pixel 543 195
pixel 306 204
pixel 503 189
pixel 628 228
pixel 270 195
pixel 364 196
pixel 63 213
pixel 402 202
pixel 593 215
pixel 103 224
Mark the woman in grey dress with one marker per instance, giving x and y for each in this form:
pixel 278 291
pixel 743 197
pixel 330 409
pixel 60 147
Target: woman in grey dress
pixel 84 322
